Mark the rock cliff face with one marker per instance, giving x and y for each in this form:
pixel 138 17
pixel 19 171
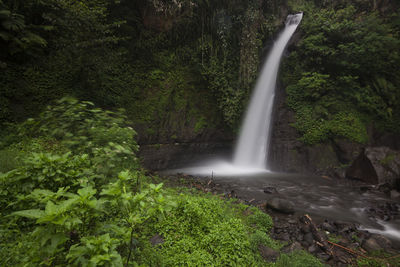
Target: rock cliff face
pixel 179 155
pixel 375 162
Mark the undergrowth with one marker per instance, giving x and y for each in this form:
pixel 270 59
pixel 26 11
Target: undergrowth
pixel 75 195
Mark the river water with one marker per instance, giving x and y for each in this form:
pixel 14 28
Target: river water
pixel 318 196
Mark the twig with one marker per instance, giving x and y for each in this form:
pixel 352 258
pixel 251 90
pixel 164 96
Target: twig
pixel 361 255
pixel 130 248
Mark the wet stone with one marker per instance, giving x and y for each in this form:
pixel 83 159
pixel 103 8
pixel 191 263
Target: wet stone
pixel 292 247
pixel 328 227
pixel 267 253
pixel 312 249
pixel 270 190
pixel 281 205
pixel 323 256
pixel 309 238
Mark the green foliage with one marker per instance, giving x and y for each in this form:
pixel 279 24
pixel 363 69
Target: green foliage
pixel 8 160
pixel 261 238
pixel 59 207
pixel 342 75
pixel 298 259
pixel 203 231
pixel 261 221
pixel 96 251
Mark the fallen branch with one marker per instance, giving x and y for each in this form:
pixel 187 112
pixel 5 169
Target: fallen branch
pixel 362 255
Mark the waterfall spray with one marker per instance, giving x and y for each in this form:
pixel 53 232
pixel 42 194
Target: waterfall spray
pixel 252 147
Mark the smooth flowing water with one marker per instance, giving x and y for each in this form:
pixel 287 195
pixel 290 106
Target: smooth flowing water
pixel 250 156
pixel 252 146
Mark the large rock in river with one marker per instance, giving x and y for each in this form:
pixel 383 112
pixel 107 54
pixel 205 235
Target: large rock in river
pixel 376 165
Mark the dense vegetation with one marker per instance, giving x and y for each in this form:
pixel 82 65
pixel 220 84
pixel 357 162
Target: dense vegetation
pixel 343 75
pixel 181 68
pixel 173 65
pixel 72 193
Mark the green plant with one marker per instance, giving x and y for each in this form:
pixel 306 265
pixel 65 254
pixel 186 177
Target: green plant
pixel 261 221
pixel 8 160
pixel 261 238
pixel 337 79
pixel 298 259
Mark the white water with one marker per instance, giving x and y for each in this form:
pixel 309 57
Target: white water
pixel 252 148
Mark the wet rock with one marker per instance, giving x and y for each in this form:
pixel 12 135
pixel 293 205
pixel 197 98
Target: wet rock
pixel 395 195
pixel 309 238
pixel 346 150
pixel 281 205
pixel 156 240
pixel 328 227
pixel 292 247
pixel 270 190
pixel 371 245
pixel 312 249
pixel 376 165
pixel 284 237
pixel 362 169
pixel 383 241
pixel 376 242
pixel 267 253
pixel 324 256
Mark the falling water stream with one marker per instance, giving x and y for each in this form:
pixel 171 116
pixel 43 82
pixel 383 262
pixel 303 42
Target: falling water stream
pixel 252 147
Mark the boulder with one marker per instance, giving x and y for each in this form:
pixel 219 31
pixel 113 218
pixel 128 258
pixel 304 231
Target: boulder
pixel 281 205
pixel 376 165
pixel 362 169
pixel 292 247
pixel 375 243
pixel 267 253
pixel 395 195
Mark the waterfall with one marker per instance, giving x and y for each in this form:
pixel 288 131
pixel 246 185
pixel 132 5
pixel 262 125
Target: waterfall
pixel 252 147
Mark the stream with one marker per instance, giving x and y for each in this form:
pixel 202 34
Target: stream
pixel 318 196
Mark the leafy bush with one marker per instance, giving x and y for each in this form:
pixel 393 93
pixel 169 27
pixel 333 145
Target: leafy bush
pixel 262 221
pixel 8 160
pixel 202 230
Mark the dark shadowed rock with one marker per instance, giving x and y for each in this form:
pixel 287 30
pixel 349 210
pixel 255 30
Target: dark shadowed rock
pixel 362 169
pixel 292 247
pixel 309 238
pixel 281 205
pixel 376 165
pixel 371 245
pixel 395 195
pixel 386 163
pixel 346 150
pixel 270 190
pixel 376 242
pixel 267 253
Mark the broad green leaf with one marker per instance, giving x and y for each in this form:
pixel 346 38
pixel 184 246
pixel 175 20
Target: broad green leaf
pixel 31 214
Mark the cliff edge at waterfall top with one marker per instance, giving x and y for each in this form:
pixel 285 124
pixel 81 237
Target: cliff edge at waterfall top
pixel 251 151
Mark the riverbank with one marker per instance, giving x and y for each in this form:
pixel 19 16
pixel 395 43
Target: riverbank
pixel 337 241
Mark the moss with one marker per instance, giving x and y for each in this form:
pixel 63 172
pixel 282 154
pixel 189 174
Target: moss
pixel 388 159
pixel 200 124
